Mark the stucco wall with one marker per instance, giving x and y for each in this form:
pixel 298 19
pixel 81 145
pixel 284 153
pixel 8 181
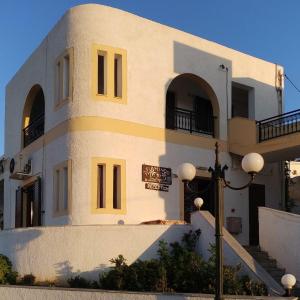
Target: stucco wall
pixel 37 293
pixel 57 253
pixel 279 235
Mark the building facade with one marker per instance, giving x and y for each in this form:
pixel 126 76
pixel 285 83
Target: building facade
pixel 110 104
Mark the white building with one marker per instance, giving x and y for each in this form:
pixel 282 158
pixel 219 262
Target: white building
pixel 107 92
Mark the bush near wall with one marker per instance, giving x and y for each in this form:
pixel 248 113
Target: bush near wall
pixel 7 275
pixel 178 268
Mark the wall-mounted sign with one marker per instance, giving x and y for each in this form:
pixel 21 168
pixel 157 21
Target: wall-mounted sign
pixel 156 187
pixel 157 174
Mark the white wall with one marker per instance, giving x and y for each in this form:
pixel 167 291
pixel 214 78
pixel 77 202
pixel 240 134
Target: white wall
pixel 279 235
pixel 57 253
pixel 37 293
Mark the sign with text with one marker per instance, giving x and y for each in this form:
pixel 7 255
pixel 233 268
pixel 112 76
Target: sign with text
pixel 156 187
pixel 155 174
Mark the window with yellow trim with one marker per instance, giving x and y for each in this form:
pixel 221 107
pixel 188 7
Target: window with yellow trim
pixel 62 188
pixel 108 186
pixel 109 80
pixel 64 78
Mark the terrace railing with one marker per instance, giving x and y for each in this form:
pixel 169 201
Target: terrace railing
pixel 279 125
pixel 191 121
pixel 34 130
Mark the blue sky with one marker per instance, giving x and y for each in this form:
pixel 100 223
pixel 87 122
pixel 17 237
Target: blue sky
pixel 267 29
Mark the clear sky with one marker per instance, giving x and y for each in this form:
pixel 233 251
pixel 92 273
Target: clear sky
pixel 269 29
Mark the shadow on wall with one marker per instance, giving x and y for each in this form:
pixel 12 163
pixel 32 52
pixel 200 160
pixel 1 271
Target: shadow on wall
pixel 65 270
pixel 142 243
pixel 214 84
pixel 13 241
pixel 204 86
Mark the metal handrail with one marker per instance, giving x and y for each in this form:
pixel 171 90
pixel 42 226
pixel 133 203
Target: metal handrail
pixel 188 120
pixel 279 125
pixel 280 116
pixel 34 130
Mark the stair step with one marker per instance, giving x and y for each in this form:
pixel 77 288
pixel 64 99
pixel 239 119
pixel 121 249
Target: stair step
pixel 267 262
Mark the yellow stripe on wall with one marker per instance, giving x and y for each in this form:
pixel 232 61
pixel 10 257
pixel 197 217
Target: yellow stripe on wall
pixel 126 128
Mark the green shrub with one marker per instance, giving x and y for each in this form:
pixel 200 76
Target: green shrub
pixel 178 268
pixel 7 275
pixel 27 279
pixel 79 282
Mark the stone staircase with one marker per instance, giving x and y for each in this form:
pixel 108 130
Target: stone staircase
pixel 267 262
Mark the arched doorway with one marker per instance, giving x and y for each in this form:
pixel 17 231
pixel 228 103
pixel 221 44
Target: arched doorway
pixel 33 115
pixel 192 106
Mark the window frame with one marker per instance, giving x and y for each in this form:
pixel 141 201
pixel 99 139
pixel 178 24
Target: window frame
pixel 59 75
pixel 109 71
pixel 58 193
pixel 108 164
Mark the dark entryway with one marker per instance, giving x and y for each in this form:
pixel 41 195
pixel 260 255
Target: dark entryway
pixel 256 199
pixel 28 205
pixel 202 185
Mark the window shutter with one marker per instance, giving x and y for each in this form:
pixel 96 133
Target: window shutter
pixel 36 220
pixel 19 205
pixel 170 110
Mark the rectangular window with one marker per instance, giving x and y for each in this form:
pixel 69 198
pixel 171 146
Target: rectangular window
pixel 118 76
pixel 61 187
pixel 64 78
pixel 65 188
pixel 101 186
pixel 57 190
pixel 101 73
pixel 58 80
pixel 109 78
pixel 108 186
pixel 116 186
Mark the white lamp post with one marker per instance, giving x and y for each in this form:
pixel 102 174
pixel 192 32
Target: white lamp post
pixel 252 163
pixel 288 281
pixel 198 202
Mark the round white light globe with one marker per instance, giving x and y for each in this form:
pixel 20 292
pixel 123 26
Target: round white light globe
pixel 288 281
pixel 186 171
pixel 198 202
pixel 252 163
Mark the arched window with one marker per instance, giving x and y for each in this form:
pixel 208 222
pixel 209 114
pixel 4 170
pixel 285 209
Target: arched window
pixel 191 105
pixel 33 115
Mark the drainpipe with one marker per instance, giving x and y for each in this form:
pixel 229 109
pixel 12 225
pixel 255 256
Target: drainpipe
pixel 279 85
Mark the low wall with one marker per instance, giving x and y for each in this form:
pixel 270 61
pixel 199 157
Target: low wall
pixel 36 293
pixel 57 253
pixel 234 253
pixel 279 235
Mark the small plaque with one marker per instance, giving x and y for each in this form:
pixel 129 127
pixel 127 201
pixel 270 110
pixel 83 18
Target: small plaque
pixel 157 175
pixel 156 187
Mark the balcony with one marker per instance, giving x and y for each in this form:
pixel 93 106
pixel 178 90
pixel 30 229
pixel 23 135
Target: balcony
pixel 280 125
pixel 276 138
pixel 34 130
pixel 190 121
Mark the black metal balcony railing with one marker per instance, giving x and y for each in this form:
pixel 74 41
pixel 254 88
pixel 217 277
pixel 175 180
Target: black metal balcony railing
pixel 191 121
pixel 34 130
pixel 278 125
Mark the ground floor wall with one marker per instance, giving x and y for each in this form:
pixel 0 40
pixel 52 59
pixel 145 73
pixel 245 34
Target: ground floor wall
pixel 32 293
pixel 81 147
pixel 280 237
pixel 58 253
